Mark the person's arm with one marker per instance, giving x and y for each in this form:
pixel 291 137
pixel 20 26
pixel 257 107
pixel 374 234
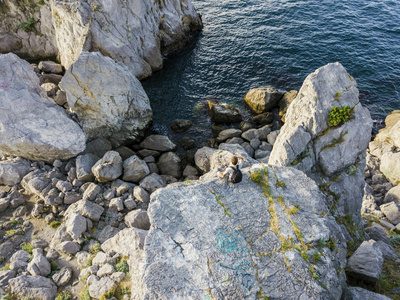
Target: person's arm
pixel 240 164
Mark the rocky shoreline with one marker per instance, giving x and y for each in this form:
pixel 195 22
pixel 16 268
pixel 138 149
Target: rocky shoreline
pixel 94 206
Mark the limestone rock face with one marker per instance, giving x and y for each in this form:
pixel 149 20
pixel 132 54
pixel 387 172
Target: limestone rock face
pixel 109 100
pixel 33 126
pixel 136 33
pixel 125 242
pixel 308 143
pixel 236 247
pixel 27 30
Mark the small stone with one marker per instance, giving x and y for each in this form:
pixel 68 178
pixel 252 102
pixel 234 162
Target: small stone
pixel 138 218
pixel 130 204
pixel 118 276
pixel 91 191
pixel 141 194
pixel 117 204
pixel 105 270
pixel 62 277
pixel 69 247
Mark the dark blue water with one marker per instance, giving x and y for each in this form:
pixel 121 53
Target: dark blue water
pixel 250 43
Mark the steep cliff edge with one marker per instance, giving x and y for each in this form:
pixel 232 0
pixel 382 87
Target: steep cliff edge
pixel 135 32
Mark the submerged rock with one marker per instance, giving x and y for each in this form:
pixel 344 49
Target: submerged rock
pixel 243 243
pixel 109 100
pixel 221 113
pixel 33 127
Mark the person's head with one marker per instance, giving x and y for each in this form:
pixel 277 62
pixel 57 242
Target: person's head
pixel 234 160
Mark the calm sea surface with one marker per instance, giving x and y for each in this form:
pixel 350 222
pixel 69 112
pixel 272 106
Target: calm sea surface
pixel 250 43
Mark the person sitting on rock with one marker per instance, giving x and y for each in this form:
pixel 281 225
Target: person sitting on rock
pixel 233 171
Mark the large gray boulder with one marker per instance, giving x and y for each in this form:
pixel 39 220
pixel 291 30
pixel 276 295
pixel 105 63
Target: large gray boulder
pixel 334 156
pixel 12 171
pixel 27 32
pixel 366 262
pixel 33 287
pixel 245 243
pixel 86 208
pixel 39 265
pixel 109 100
pixel 33 126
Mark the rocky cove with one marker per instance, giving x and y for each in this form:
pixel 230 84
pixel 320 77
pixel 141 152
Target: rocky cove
pixel 93 207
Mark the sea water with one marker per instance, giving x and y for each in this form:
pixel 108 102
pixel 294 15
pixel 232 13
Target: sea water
pixel 251 43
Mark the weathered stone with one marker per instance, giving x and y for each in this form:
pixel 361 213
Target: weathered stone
pixel 106 233
pixel 158 143
pixel 33 287
pixel 100 287
pixel 105 270
pixel 50 88
pixel 135 169
pixel 138 218
pixel 51 134
pixel 262 99
pixel 184 244
pixel 151 182
pixel 69 247
pixel 39 243
pixel 271 138
pixel 76 225
pixel 125 242
pixel 366 262
pixel 202 158
pixel 357 293
pixel 393 195
pixel 286 100
pixel 181 125
pixel 108 168
pixel 91 191
pixel 60 98
pixel 91 98
pixel 98 147
pixel 221 113
pixel 187 143
pixel 141 194
pixel 5 277
pixel 130 204
pixel 62 277
pixel 227 134
pixel 64 186
pixel 12 171
pixel 39 265
pixel 50 67
pixel 71 197
pixel 82 258
pixel 118 276
pixel 170 164
pixel 390 167
pixel 392 212
pixel 308 143
pixel 4 203
pixel 86 272
pixel 87 209
pixel 264 118
pixel 117 204
pixel 190 171
pixel 21 255
pixel 84 164
pixel 388 251
pixel 6 248
pixel 101 259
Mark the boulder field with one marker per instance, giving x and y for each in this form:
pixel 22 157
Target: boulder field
pixel 124 224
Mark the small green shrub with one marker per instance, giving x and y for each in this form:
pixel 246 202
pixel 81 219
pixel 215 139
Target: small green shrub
pixel 55 224
pixel 122 267
pixel 351 170
pixel 84 295
pixel 10 233
pixel 95 248
pixel 28 26
pixel 64 295
pixel 338 115
pixel 316 256
pixel 108 295
pixel 27 247
pixel 54 266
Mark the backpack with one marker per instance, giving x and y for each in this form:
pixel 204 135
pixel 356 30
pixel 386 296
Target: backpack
pixel 236 176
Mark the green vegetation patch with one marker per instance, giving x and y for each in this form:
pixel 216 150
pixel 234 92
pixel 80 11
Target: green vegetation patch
pixel 219 201
pixel 122 266
pixel 64 295
pixel 338 115
pixel 28 26
pixel 27 247
pixel 335 142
